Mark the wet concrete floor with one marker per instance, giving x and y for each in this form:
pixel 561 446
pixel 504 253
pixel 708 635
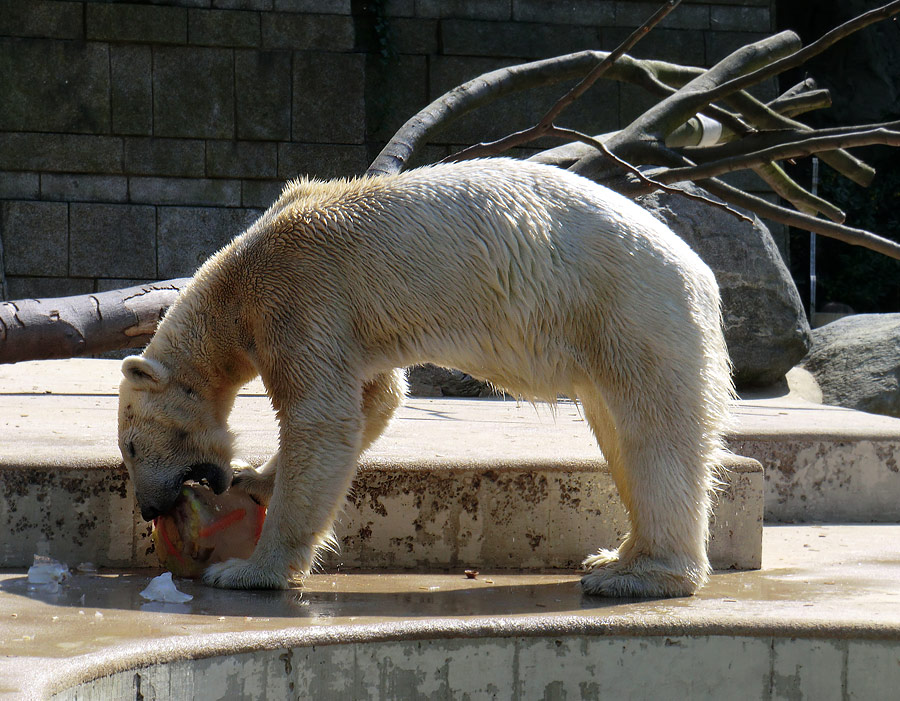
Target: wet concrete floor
pixel 824 580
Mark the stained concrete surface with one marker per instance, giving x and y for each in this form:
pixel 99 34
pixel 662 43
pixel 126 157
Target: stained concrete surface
pixel 822 613
pixel 828 585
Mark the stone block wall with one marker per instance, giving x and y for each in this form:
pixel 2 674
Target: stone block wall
pixel 137 138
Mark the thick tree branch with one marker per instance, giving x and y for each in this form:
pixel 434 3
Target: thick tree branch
pixel 64 327
pixel 664 117
pixel 803 55
pixel 796 105
pixel 649 183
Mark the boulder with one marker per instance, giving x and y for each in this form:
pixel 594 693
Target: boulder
pixel 433 381
pixel 856 362
pixel 765 324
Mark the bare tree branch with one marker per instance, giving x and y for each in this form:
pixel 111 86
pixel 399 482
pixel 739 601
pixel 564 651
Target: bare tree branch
pixel 793 149
pixel 649 183
pixel 545 125
pixel 787 188
pixel 795 105
pixel 803 55
pixel 64 327
pixel 855 237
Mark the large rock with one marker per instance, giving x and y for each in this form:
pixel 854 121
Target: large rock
pixel 433 381
pixel 856 361
pixel 765 324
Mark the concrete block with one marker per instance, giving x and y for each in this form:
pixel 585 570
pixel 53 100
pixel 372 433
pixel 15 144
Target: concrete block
pixel 44 287
pixel 112 240
pixel 64 507
pixel 676 45
pixel 685 16
pixel 193 92
pixel 66 153
pixel 241 159
pixel 185 191
pixel 829 478
pixel 19 186
pixel 108 284
pixel 84 188
pixel 241 4
pixel 872 669
pixel 151 24
pixel 42 18
pixel 466 9
pixel 324 7
pixel 405 35
pixel 389 108
pixel 306 32
pixel 329 94
pixel 263 95
pixel 260 194
pixel 741 19
pixel 633 102
pixel 582 12
pixel 809 669
pixel 223 28
pixel 35 237
pixel 596 112
pixel 174 157
pixel 518 516
pixel 187 236
pixel 321 160
pixel 57 86
pixel 525 40
pixel 131 73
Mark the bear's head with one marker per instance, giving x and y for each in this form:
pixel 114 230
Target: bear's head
pixel 170 431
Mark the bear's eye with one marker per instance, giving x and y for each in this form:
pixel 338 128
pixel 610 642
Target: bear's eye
pixel 131 450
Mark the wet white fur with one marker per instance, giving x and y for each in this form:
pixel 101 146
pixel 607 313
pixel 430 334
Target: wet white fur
pixel 531 277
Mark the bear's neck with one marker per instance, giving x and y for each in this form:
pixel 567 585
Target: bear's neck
pixel 204 337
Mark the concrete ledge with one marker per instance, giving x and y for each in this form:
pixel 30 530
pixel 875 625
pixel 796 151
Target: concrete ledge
pixel 822 463
pixel 453 483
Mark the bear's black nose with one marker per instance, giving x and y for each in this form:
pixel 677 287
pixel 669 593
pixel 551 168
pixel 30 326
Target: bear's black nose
pixel 148 513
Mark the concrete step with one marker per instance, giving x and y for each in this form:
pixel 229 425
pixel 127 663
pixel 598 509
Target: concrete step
pixel 480 484
pixel 822 463
pixel 820 620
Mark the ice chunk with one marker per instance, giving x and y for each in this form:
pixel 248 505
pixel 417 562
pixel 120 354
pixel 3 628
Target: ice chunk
pixel 163 589
pixel 46 573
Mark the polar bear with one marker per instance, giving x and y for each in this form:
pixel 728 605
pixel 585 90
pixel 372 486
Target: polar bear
pixel 533 278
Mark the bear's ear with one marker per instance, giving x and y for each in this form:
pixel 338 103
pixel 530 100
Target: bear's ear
pixel 145 373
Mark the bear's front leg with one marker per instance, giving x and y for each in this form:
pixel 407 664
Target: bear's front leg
pixel 317 461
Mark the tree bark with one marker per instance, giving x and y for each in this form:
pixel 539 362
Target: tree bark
pixel 65 327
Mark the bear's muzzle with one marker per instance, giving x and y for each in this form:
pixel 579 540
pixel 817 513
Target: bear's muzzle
pixel 161 501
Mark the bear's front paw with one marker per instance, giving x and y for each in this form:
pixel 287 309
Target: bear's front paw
pixel 245 574
pixel 640 577
pixel 257 484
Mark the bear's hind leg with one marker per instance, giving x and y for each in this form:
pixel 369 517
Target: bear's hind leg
pixel 662 468
pixel 382 395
